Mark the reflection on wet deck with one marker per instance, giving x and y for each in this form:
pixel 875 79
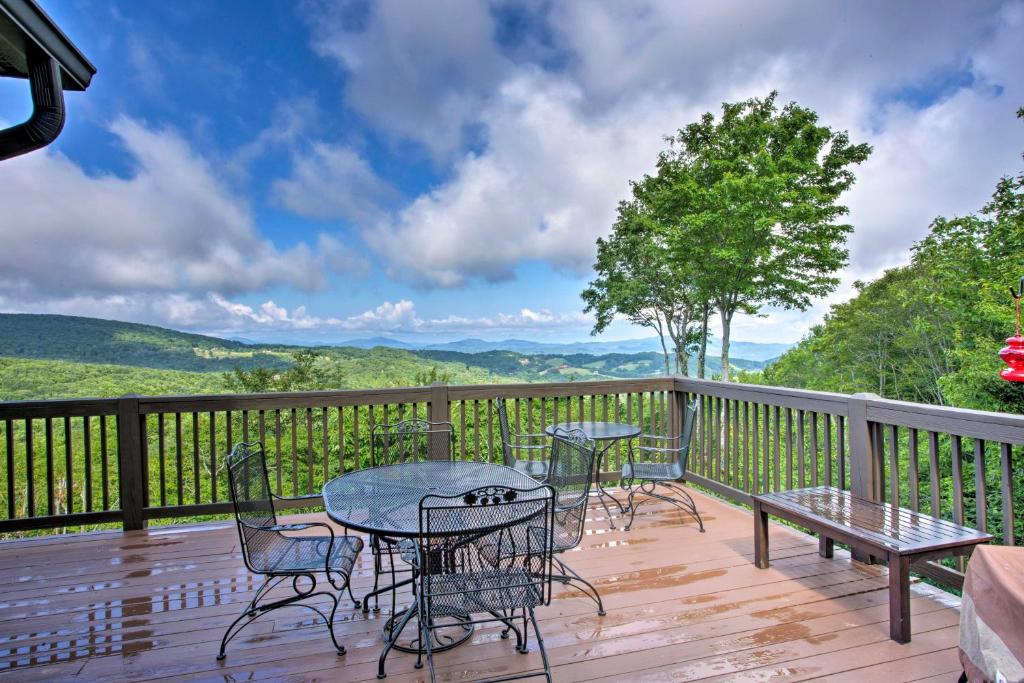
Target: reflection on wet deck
pixel 681 606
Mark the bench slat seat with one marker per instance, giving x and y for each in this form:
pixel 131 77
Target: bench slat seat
pixel 887 531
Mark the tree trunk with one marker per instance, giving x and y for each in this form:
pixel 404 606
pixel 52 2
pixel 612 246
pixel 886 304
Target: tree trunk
pixel 726 315
pixel 664 352
pixel 702 353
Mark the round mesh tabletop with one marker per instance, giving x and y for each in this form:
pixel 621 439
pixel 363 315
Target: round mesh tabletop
pixel 599 431
pixel 386 500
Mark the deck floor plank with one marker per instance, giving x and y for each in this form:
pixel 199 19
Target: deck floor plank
pixel 681 605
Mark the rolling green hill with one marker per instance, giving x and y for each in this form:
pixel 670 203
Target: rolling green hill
pixel 56 356
pixel 92 340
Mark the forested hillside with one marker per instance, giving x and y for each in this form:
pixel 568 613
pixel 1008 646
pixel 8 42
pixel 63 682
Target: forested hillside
pixel 56 356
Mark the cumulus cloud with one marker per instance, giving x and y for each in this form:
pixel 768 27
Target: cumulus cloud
pixel 331 181
pixel 170 226
pixel 399 316
pixel 934 92
pixel 419 70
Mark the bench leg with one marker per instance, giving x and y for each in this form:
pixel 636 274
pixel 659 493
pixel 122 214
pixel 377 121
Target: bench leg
pixel 760 537
pixel 899 598
pixel 826 546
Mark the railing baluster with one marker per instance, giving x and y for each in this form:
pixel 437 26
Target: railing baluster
pixel 914 472
pixel 841 448
pixel 9 441
pixel 827 426
pixel 295 451
pixel 894 465
pixel 789 448
pixel 213 456
pixel 69 468
pixel 776 422
pixel 161 457
pixel 309 452
pixel 325 433
pixel 801 453
pixel 462 427
pixel 958 479
pixel 245 426
pixel 490 431
pixel 178 457
pixel 104 464
pixel 195 459
pixel 48 445
pixel 745 485
pixel 1006 479
pixel 87 449
pixel 933 464
pixel 814 448
pixel 979 485
pixel 765 460
pixel 30 487
pixel 357 464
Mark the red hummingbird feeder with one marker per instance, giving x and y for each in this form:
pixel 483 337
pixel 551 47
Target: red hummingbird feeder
pixel 1013 353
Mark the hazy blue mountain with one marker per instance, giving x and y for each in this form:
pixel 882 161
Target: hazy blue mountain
pixel 751 351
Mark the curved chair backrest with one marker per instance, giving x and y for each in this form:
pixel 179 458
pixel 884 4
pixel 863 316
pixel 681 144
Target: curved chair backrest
pixel 250 494
pixel 411 441
pixel 502 535
pixel 571 474
pixel 684 438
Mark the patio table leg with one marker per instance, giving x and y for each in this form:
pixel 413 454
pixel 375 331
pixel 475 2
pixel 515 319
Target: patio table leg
pixel 899 598
pixel 760 537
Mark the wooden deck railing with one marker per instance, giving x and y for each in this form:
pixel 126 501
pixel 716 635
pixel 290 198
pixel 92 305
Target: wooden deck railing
pixel 136 458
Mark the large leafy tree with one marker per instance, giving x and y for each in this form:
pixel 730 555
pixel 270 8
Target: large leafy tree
pixel 638 280
pixel 754 200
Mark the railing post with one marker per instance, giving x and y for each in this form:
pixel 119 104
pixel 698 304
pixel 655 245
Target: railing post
pixel 440 411
pixel 131 470
pixel 865 459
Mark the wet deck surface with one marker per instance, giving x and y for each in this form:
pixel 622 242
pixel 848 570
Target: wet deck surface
pixel 681 606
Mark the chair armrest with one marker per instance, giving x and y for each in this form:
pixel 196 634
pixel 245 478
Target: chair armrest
pixel 308 496
pixel 658 437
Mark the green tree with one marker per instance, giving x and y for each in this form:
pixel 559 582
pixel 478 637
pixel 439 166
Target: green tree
pixel 753 198
pixel 638 279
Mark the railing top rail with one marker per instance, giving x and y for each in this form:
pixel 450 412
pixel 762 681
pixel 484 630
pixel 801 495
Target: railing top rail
pixel 472 392
pixel 71 407
pixel 980 424
pixel 802 399
pixel 268 401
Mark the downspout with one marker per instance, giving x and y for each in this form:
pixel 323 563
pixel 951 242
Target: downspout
pixel 47 118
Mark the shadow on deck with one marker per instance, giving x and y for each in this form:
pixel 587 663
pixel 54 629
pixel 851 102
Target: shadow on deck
pixel 681 606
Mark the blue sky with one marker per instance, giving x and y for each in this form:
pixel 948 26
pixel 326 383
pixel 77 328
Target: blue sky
pixel 329 170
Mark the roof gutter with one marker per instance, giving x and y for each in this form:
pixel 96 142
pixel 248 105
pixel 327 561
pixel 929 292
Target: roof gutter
pixel 47 119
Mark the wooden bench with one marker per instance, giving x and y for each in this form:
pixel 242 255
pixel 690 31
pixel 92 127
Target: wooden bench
pixel 894 534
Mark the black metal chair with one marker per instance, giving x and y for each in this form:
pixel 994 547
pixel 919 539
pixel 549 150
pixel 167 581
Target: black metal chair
pixel 484 552
pixel 412 440
pixel 513 443
pixel 280 558
pixel 663 464
pixel 572 473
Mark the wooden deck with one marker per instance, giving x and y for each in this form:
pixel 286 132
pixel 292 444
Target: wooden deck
pixel 681 606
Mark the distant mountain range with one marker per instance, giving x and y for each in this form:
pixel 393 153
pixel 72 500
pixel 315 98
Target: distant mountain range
pixel 753 351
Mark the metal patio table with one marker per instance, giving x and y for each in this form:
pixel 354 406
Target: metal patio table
pixel 602 432
pixel 385 501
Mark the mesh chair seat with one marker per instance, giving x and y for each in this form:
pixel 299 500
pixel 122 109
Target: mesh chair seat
pixel 538 469
pixel 652 471
pixel 299 554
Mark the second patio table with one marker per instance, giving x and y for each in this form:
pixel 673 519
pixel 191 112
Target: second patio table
pixel 609 433
pixel 385 501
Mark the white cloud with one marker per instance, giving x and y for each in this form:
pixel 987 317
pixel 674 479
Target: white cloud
pixel 561 145
pixel 170 227
pixel 420 70
pixel 330 181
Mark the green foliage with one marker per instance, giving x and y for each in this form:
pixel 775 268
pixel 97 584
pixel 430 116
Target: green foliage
pixel 28 379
